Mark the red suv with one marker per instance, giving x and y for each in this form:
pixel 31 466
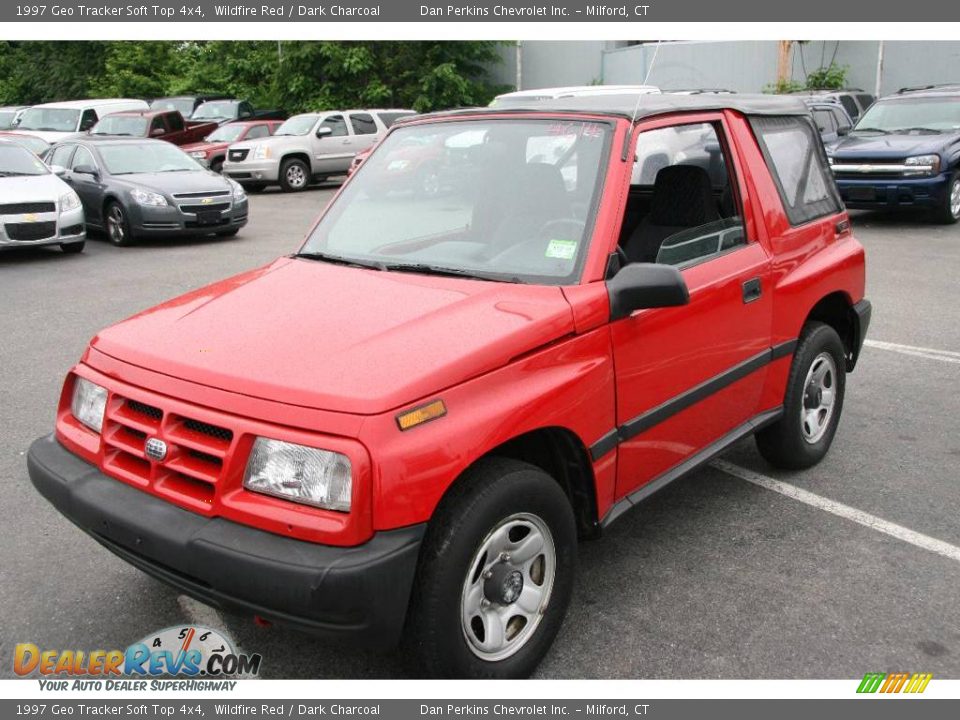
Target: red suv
pixel 405 428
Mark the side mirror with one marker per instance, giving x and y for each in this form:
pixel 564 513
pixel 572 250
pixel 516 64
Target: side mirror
pixel 845 130
pixel 323 131
pixel 645 285
pixel 86 170
pixel 58 170
pixel 157 132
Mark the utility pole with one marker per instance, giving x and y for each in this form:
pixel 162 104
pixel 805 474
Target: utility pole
pixel 876 89
pixel 519 64
pixel 783 61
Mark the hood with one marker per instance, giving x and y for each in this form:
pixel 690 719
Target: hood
pixel 36 188
pixel 274 141
pixel 177 182
pixel 892 147
pixel 205 146
pixel 336 338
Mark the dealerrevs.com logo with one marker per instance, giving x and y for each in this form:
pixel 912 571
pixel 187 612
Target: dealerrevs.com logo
pixel 187 657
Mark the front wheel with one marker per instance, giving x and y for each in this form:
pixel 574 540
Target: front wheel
pixel 949 211
pixel 812 404
pixel 496 574
pixel 118 227
pixel 294 175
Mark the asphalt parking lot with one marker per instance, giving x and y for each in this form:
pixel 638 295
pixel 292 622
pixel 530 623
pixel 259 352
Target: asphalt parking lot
pixel 714 577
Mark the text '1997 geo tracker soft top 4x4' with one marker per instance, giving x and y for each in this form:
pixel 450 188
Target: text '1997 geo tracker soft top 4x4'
pixel 401 432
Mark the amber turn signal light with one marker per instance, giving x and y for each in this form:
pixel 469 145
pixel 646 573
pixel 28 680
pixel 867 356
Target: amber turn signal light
pixel 424 413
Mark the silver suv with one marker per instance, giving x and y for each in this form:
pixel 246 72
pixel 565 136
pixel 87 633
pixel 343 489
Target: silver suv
pixel 308 147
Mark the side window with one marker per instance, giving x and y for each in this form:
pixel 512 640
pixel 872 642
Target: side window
pixel 684 207
pixel 865 101
pixel 88 119
pixel 246 110
pixel 842 120
pixel 389 118
pixel 257 131
pixel 825 121
pixel 849 105
pixel 175 121
pixel 363 124
pixel 61 155
pixel 157 126
pixel 798 163
pixel 82 157
pixel 336 124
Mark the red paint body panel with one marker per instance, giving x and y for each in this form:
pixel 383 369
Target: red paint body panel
pixel 218 150
pixel 328 355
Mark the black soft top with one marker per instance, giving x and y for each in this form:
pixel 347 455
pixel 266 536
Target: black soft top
pixel 628 105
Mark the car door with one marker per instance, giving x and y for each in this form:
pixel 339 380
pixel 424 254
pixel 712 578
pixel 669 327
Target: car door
pixel 88 187
pixel 331 152
pixel 365 132
pixel 689 376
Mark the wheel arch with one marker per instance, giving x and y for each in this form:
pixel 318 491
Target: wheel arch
pixel 836 310
pixel 297 155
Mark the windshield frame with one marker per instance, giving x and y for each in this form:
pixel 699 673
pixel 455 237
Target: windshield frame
pixel 234 104
pixel 75 112
pixel 31 157
pixel 105 165
pixel 575 277
pixel 317 118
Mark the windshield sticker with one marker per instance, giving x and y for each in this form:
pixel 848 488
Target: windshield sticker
pixel 561 249
pixel 590 131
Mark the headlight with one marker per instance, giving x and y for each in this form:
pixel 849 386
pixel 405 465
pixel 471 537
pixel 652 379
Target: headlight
pixel 198 155
pixel 302 474
pixel 70 201
pixel 88 403
pixel 922 165
pixel 145 197
pixel 238 191
pixel 261 152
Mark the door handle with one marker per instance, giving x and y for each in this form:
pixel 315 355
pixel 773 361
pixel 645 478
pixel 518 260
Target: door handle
pixel 752 290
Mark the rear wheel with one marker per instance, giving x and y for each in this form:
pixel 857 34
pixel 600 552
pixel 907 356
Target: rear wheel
pixel 496 573
pixel 949 211
pixel 117 225
pixel 73 248
pixel 812 404
pixel 294 175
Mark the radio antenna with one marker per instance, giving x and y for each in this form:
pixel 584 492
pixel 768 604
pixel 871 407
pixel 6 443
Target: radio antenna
pixel 653 61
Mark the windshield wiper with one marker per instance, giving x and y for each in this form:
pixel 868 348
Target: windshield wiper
pixel 338 260
pixel 425 269
pixel 930 130
pixel 869 129
pixel 11 173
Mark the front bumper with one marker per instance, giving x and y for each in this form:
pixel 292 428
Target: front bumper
pixel 252 171
pixel 171 221
pixel 878 193
pixel 360 593
pixel 65 228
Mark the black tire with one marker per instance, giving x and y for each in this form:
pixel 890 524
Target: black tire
pixel 294 175
pixel 217 165
pixel 253 188
pixel 228 233
pixel 790 443
pixel 492 492
pixel 73 248
pixel 116 224
pixel 949 211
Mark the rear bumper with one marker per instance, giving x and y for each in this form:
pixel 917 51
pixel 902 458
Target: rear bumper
pixel 359 593
pixel 879 194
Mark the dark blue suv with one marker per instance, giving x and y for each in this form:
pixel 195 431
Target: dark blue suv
pixel 904 152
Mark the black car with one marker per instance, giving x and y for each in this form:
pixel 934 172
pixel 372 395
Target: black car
pixel 904 153
pixel 186 104
pixel 138 188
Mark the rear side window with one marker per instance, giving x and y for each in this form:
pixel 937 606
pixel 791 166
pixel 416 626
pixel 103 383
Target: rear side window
pixel 797 160
pixel 88 120
pixel 849 105
pixel 363 124
pixel 843 122
pixel 865 101
pixel 824 120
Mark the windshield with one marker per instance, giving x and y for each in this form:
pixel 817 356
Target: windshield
pixel 132 125
pixel 940 114
pixel 227 133
pixel 223 110
pixel 504 200
pixel 16 161
pixel 50 119
pixel 31 143
pixel 183 105
pixel 6 119
pixel 297 125
pixel 152 157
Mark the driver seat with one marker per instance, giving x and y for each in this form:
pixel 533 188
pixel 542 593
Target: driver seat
pixel 682 199
pixel 531 198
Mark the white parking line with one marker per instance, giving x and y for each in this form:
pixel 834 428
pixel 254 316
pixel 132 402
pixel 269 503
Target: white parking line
pixel 947 356
pixel 839 509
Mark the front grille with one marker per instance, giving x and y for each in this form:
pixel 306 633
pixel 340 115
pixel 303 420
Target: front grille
pixel 27 207
pixel 238 155
pixel 194 462
pixel 218 207
pixel 31 231
pixel 215 193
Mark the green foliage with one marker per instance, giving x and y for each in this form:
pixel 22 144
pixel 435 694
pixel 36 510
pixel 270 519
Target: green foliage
pixel 296 76
pixel 832 77
pixel 782 87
